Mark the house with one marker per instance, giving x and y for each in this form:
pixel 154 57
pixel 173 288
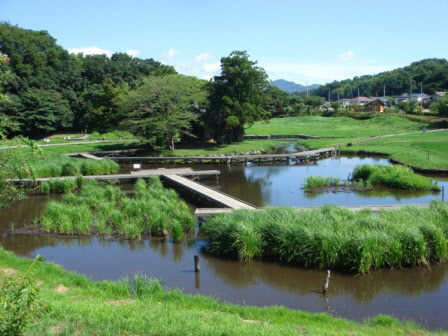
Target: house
pixel 384 100
pixel 418 97
pixel 344 102
pixel 360 101
pixel 437 95
pixel 375 106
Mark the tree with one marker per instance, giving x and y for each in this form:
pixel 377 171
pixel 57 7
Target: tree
pixel 103 102
pixel 441 106
pixel 237 97
pixel 164 108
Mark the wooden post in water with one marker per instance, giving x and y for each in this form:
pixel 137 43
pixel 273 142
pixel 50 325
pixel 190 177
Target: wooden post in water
pixel 443 193
pixel 327 283
pixel 197 267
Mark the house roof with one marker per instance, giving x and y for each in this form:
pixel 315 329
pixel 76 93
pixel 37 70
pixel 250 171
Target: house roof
pixel 361 98
pixel 376 101
pixel 440 94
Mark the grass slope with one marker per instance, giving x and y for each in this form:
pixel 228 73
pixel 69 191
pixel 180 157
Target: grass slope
pixel 427 150
pixel 79 306
pixel 336 127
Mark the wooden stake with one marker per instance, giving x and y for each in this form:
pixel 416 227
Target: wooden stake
pixel 197 267
pixel 327 283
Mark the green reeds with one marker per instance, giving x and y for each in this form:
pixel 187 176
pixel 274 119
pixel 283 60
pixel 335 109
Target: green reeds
pixel 59 185
pixel 60 165
pixel 394 176
pixel 315 182
pixel 333 237
pixel 154 211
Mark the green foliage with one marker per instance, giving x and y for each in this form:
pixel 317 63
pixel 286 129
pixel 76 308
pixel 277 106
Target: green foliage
pixel 441 106
pixel 394 176
pixel 433 73
pixel 154 211
pixel 333 237
pixel 314 182
pixel 237 97
pixel 163 108
pixel 59 185
pixel 19 305
pixel 51 90
pixel 54 165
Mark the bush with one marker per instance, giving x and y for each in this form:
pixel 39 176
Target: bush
pixel 19 305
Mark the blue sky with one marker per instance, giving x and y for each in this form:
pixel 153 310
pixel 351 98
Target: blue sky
pixel 314 41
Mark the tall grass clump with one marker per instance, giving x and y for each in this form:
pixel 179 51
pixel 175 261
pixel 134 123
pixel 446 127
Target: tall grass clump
pixel 60 165
pixel 315 182
pixel 333 237
pixel 64 185
pixel 97 209
pixel 394 176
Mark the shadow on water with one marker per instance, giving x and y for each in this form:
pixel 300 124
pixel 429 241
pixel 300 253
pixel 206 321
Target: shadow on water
pixel 419 294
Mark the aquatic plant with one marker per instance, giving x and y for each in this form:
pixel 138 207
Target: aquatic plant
pixel 394 176
pixel 59 185
pixel 59 165
pixel 333 237
pixel 315 182
pixel 154 211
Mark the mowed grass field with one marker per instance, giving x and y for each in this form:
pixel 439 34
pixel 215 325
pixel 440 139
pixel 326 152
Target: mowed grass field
pixel 140 306
pixel 424 150
pixel 335 127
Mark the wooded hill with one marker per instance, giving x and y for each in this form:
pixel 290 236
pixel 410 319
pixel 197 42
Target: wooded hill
pixel 431 73
pixel 50 89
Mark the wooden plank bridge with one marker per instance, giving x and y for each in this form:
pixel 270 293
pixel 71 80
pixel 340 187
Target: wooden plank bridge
pixel 300 157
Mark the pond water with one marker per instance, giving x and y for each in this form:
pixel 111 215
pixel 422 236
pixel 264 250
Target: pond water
pixel 419 294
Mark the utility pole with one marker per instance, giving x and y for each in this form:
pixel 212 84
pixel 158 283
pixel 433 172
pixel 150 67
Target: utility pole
pixel 307 88
pixel 358 97
pixel 329 95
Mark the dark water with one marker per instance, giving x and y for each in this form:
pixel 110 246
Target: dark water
pixel 413 294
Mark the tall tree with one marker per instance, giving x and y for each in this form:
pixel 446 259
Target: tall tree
pixel 164 108
pixel 237 97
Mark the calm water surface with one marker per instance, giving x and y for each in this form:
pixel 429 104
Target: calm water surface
pixel 414 294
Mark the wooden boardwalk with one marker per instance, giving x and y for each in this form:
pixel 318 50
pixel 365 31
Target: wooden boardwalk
pixel 133 175
pixel 203 213
pixel 205 193
pixel 300 157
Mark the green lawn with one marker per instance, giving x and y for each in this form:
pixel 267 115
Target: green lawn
pixel 427 150
pixel 79 306
pixel 336 127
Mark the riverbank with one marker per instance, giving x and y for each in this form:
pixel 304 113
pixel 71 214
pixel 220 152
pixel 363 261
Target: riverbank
pixel 80 306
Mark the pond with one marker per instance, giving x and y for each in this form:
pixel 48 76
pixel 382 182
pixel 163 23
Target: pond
pixel 419 294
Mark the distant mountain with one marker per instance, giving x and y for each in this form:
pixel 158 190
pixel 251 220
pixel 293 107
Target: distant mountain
pixel 291 86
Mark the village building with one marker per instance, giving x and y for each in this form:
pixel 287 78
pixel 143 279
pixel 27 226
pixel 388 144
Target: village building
pixel 376 106
pixel 438 95
pixel 360 101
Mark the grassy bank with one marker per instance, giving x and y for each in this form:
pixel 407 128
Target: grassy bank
pixel 55 165
pixel 427 150
pixel 78 306
pixel 400 177
pixel 333 237
pixel 335 127
pixel 154 211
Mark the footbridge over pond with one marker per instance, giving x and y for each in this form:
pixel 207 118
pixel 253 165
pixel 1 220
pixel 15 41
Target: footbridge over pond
pixel 299 157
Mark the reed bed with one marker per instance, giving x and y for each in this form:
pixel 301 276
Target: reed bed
pixel 97 209
pixel 60 165
pixel 333 237
pixel 316 182
pixel 394 176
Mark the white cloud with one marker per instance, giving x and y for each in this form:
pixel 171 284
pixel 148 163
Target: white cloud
pixel 90 51
pixel 346 56
pixel 321 73
pixel 170 53
pixel 133 53
pixel 203 66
